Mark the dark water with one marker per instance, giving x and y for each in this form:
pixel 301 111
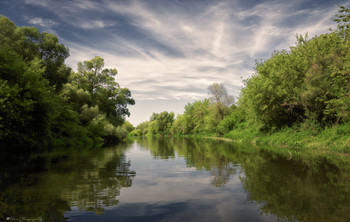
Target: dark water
pixel 174 179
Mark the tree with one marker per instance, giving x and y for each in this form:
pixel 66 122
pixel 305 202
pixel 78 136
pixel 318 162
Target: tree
pixel 195 114
pixel 141 129
pixel 309 82
pixel 105 92
pixel 30 44
pixel 43 103
pixel 32 71
pixel 93 77
pixel 27 104
pixel 180 125
pixel 161 123
pixel 343 20
pixel 221 99
pixel 128 126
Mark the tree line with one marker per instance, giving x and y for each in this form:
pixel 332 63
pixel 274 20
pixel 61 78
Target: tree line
pixel 305 88
pixel 44 103
pixel 204 117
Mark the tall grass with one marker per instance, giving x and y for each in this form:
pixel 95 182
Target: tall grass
pixel 307 136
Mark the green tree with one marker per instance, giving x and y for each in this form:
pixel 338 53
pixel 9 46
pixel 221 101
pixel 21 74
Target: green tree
pixel 30 44
pixel 309 82
pixel 27 104
pixel 143 127
pixel 105 92
pixel 343 20
pixel 43 103
pixel 161 123
pixel 231 120
pixel 180 125
pixel 220 98
pixel 195 114
pixel 269 94
pixel 128 126
pixel 31 71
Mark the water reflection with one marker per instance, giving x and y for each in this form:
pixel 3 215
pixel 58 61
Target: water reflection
pixel 291 187
pixel 302 190
pixel 47 186
pixel 177 179
pixel 18 199
pixel 210 155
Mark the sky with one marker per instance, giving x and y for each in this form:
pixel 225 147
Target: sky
pixel 167 52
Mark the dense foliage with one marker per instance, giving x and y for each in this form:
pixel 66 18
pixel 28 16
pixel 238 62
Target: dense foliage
pixel 311 82
pixel 304 91
pixel 43 102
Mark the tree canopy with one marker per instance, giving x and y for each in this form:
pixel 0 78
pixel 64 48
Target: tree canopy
pixel 44 103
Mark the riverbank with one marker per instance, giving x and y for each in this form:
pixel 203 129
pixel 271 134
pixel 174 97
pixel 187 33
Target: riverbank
pixel 335 139
pixel 308 137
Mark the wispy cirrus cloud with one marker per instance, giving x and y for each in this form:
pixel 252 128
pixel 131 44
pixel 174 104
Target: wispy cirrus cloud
pixel 98 24
pixel 41 3
pixel 42 22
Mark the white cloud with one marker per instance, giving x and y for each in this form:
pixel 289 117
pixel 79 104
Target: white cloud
pixel 85 4
pixel 97 24
pixel 42 3
pixel 45 23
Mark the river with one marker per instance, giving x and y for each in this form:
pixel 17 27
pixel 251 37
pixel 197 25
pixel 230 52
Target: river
pixel 175 179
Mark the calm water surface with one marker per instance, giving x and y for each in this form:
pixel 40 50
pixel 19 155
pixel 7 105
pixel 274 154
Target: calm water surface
pixel 170 179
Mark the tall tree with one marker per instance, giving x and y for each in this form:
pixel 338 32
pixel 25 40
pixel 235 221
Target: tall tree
pixel 161 123
pixel 220 97
pixel 30 44
pixel 28 99
pixel 105 92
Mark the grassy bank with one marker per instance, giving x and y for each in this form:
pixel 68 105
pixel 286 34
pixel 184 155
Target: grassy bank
pixel 334 139
pixel 306 136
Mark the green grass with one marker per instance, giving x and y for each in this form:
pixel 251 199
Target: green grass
pixel 334 139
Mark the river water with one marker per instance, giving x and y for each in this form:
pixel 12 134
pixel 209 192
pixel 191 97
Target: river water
pixel 175 179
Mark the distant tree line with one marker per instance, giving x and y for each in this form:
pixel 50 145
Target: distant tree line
pixel 209 116
pixel 306 87
pixel 44 103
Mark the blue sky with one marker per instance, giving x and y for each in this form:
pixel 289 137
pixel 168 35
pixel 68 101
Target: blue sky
pixel 168 52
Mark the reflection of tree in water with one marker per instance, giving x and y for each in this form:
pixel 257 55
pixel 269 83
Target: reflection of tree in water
pixel 303 189
pixel 160 148
pixel 19 196
pixel 48 185
pixel 296 190
pixel 210 155
pixel 221 175
pixel 99 187
pixel 55 211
